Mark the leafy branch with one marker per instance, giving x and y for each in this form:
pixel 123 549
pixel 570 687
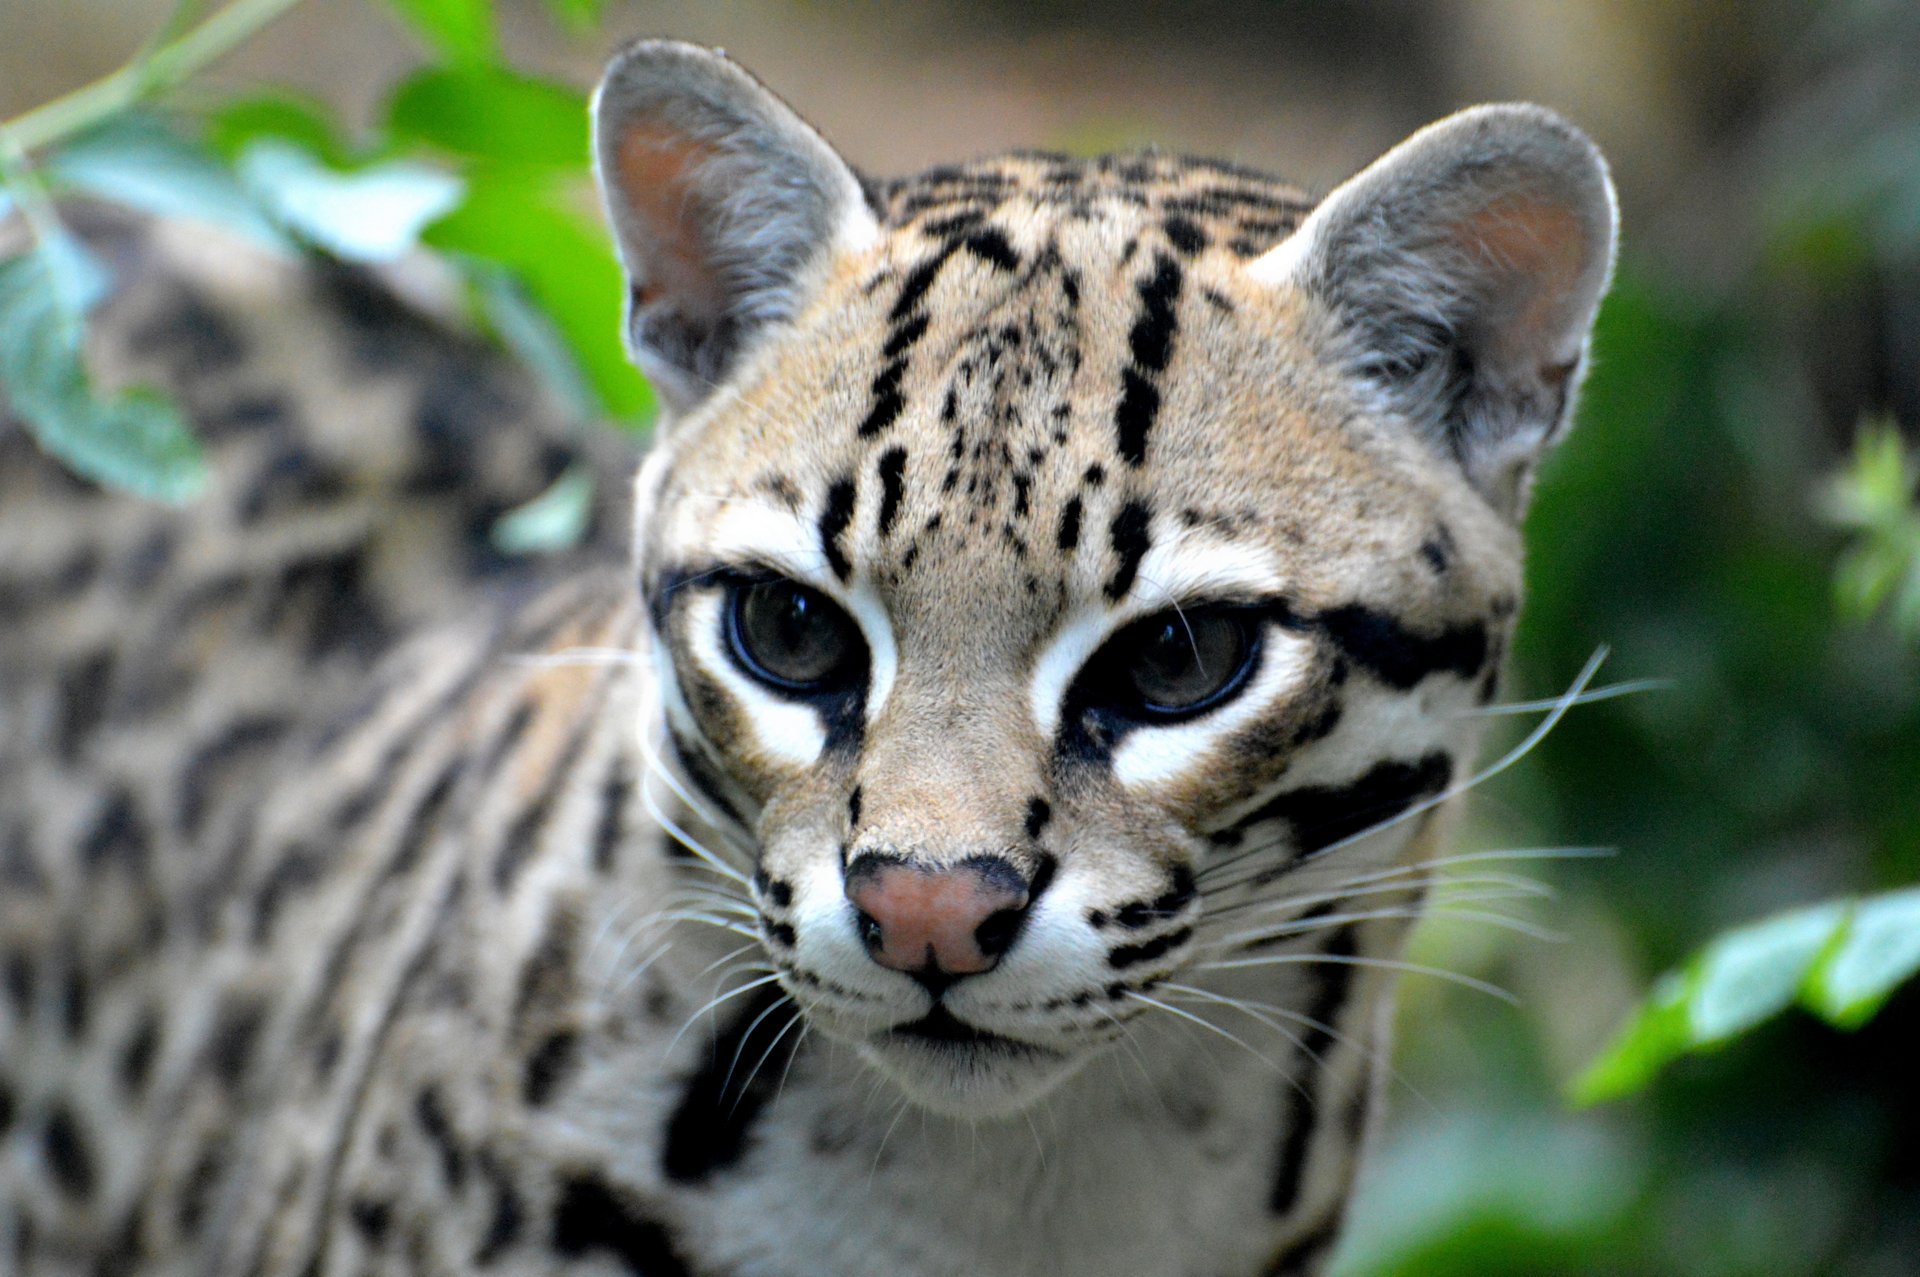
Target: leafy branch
pixel 166 65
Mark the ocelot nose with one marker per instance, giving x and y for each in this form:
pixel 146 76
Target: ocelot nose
pixel 938 923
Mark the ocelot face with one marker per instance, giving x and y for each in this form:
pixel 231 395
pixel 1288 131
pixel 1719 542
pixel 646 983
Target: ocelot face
pixel 1061 594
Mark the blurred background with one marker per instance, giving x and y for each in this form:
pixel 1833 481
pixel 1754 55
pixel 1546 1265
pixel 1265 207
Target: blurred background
pixel 1734 515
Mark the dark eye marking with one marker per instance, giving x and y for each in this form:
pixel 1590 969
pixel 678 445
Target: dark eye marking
pixel 1319 816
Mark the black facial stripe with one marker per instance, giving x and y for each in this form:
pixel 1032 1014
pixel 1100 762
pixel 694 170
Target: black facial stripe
pixel 1151 345
pixel 892 469
pixel 1131 540
pixel 1143 913
pixel 1319 816
pixel 1128 955
pixel 720 1103
pixel 1398 656
pixel 834 518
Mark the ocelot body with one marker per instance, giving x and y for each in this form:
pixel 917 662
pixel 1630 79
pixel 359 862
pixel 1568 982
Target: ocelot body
pixel 968 826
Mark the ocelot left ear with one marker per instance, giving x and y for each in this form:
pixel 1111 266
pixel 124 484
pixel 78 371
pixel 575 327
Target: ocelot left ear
pixel 726 207
pixel 1464 268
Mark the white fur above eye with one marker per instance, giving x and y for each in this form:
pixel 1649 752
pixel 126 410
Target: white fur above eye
pixel 1151 755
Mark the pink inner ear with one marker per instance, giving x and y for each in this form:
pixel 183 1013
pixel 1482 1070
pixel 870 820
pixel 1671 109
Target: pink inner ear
pixel 658 174
pixel 1534 252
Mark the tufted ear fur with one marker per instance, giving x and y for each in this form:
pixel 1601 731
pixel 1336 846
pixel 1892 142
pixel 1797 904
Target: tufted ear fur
pixel 1466 265
pixel 725 206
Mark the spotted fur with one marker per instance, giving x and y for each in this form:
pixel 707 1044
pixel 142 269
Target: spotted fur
pixel 375 904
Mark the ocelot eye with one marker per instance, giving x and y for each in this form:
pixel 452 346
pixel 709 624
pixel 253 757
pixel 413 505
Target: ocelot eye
pixel 792 637
pixel 1174 664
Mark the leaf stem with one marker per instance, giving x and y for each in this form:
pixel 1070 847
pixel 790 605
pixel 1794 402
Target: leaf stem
pixel 163 68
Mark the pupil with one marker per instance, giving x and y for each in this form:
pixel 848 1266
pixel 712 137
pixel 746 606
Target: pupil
pixel 1182 662
pixel 790 633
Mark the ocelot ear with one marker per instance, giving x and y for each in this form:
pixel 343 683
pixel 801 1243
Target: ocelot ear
pixel 1464 268
pixel 725 205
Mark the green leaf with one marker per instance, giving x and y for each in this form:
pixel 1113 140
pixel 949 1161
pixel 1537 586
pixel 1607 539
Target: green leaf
pixel 459 30
pixel 140 161
pixel 1841 960
pixel 554 520
pixel 566 266
pixel 305 121
pixel 490 114
pixel 371 215
pixel 1880 951
pixel 1750 975
pixel 133 440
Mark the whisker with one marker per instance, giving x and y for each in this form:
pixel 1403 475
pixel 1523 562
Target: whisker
pixel 715 1003
pixel 1389 964
pixel 1496 887
pixel 1294 930
pixel 1208 1025
pixel 575 657
pixel 1420 808
pixel 1610 692
pixel 726 1083
pixel 633 977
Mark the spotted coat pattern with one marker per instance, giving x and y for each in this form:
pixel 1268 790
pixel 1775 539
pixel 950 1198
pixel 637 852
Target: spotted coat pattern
pixel 377 904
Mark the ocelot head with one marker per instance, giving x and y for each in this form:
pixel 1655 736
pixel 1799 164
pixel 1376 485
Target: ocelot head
pixel 1067 575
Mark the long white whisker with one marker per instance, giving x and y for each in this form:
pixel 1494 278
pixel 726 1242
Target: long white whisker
pixel 1420 808
pixel 1388 964
pixel 1593 697
pixel 717 1002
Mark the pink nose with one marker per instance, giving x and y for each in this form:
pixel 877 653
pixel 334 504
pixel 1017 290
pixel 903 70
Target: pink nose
pixel 946 922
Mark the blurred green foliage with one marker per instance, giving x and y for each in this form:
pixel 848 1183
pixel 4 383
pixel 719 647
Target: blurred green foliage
pixel 1690 523
pixel 470 159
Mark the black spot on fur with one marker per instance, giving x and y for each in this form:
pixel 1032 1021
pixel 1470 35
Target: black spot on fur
pixel 1139 405
pixel 138 1053
pixel 590 1217
pixel 1185 235
pixel 546 979
pixel 1069 534
pixel 1398 656
pixel 507 1217
pixel 616 791
pixel 834 518
pixel 118 835
pixel 1151 341
pixel 709 1129
pixel 548 1066
pixel 853 808
pixel 373 1219
pixel 1039 812
pixel 892 470
pixel 230 1046
pixel 1130 540
pixel 68 1155
pixel 83 702
pixel 991 246
pixel 430 1111
pixel 244 741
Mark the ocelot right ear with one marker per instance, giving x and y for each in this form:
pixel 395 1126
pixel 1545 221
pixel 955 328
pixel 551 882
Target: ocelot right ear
pixel 726 207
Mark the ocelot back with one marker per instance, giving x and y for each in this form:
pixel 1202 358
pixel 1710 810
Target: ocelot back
pixel 971 834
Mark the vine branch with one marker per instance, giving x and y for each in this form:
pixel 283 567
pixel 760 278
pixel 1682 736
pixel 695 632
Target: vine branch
pixel 167 65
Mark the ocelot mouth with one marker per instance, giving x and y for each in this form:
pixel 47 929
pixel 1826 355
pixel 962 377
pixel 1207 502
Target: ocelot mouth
pixel 941 1028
